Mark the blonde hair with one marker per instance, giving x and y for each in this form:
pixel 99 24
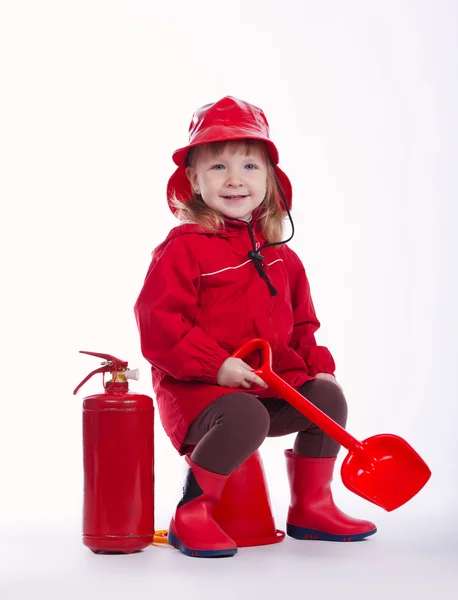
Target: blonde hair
pixel 271 214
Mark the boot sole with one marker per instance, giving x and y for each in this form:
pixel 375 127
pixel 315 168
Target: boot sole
pixel 303 533
pixel 175 542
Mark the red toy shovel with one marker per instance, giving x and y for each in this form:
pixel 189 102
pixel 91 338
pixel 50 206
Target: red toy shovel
pixel 383 469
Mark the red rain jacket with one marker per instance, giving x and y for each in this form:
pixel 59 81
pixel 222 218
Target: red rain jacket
pixel 201 299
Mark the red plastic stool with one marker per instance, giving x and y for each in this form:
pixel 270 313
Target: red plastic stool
pixel 244 511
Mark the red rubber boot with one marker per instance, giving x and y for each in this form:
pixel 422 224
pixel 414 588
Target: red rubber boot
pixel 312 514
pixel 193 530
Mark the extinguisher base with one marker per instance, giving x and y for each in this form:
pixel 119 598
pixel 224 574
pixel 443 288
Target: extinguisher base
pixel 121 545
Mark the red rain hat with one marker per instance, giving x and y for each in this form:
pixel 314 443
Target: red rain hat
pixel 227 119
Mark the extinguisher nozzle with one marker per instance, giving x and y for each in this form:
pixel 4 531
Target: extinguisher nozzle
pixel 132 374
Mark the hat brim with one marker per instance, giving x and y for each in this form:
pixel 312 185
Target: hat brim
pixel 220 133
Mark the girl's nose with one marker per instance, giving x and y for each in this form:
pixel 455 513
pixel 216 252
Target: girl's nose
pixel 234 178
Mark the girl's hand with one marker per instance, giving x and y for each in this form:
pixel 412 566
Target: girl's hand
pixel 330 378
pixel 236 373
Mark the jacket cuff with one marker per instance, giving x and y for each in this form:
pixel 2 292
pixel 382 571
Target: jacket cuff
pixel 212 365
pixel 320 360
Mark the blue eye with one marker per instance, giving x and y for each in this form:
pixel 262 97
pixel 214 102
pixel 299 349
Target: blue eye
pixel 218 167
pixel 251 167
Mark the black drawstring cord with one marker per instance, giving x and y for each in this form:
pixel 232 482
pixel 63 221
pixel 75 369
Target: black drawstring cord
pixel 256 257
pixel 287 211
pixel 257 261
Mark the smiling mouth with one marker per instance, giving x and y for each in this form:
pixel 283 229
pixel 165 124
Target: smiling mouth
pixel 234 198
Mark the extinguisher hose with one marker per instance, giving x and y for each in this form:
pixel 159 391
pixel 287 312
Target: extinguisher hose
pixel 160 537
pixel 115 378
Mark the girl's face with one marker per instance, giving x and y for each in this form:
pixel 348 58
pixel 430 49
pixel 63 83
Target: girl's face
pixel 233 184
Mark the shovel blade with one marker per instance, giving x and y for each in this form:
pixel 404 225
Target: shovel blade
pixel 387 472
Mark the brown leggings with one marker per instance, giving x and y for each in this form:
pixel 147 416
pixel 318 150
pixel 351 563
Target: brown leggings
pixel 232 427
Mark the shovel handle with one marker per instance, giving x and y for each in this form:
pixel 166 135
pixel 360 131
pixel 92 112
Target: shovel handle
pixel 294 398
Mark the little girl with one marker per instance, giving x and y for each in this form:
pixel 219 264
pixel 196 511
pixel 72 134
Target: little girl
pixel 222 277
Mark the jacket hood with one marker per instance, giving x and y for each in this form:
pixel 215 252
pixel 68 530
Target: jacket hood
pixel 232 227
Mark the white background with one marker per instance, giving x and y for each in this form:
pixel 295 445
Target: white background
pixel 361 98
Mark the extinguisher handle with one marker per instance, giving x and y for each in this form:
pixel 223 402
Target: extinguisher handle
pixel 118 361
pixel 105 369
pixel 112 364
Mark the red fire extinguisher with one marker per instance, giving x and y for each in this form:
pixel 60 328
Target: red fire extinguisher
pixel 118 458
